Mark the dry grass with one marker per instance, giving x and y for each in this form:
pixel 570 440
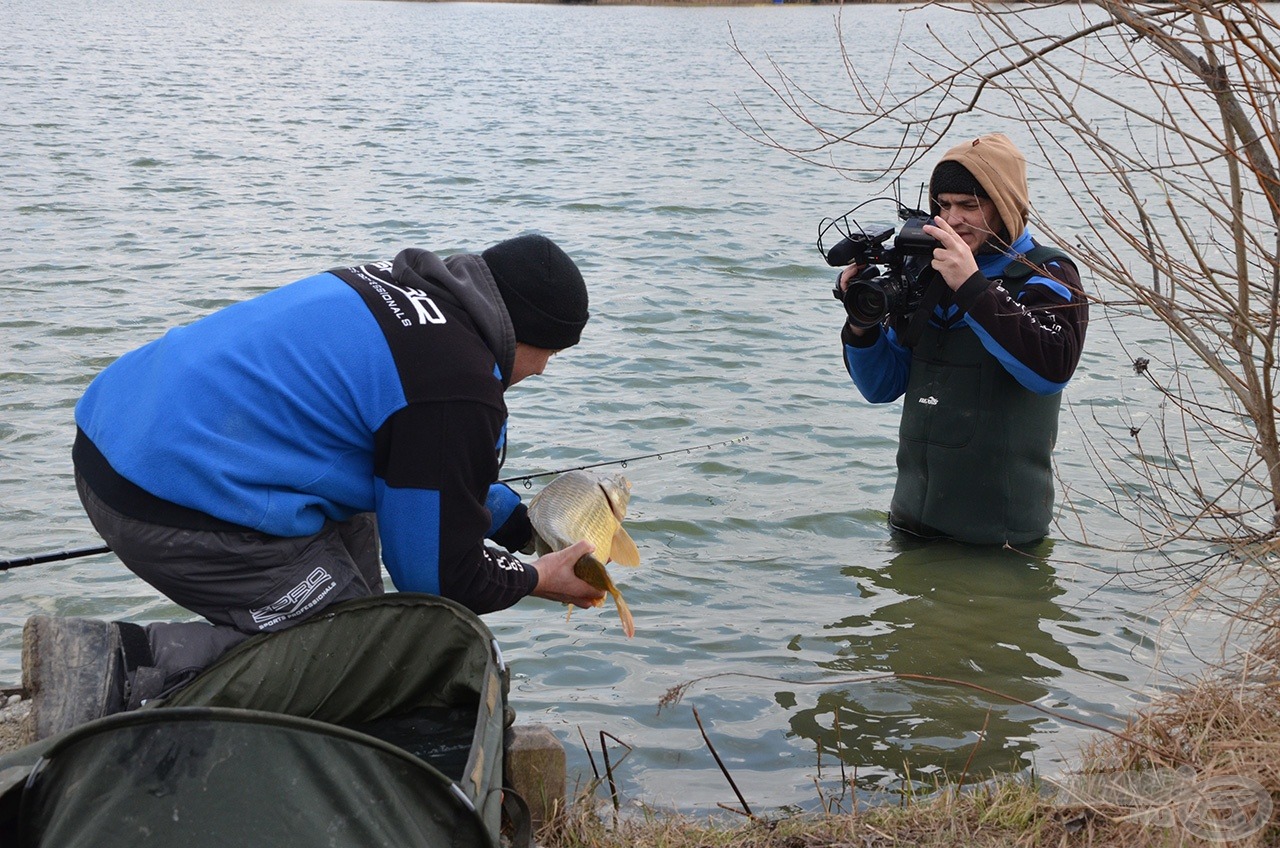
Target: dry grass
pixel 1217 727
pixel 1217 731
pixel 1007 813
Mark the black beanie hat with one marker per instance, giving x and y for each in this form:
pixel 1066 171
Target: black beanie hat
pixel 953 178
pixel 545 294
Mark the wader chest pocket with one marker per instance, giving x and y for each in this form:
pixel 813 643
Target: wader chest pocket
pixel 938 407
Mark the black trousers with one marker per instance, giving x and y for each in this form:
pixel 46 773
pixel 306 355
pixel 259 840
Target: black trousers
pixel 241 582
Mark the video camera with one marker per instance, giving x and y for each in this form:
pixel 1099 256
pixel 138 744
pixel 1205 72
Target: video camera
pixel 874 293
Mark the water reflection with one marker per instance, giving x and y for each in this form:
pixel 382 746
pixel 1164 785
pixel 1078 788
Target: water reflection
pixel 942 610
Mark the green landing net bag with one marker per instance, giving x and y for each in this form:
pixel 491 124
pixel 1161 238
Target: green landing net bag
pixel 377 723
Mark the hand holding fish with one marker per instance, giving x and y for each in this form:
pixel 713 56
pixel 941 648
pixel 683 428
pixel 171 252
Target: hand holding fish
pixel 558 582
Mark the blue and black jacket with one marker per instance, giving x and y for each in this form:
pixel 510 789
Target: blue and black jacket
pixel 377 388
pixel 1036 337
pixel 981 390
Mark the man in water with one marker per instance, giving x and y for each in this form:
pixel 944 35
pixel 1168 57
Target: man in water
pixel 984 380
pixel 251 465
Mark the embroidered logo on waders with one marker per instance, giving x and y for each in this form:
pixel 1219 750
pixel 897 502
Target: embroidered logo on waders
pixel 297 601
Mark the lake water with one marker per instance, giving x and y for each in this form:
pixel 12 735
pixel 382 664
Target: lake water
pixel 158 161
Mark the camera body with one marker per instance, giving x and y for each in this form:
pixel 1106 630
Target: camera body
pixel 898 287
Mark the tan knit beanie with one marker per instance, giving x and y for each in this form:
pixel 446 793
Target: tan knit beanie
pixel 1000 169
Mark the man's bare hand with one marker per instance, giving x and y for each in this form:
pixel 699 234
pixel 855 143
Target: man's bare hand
pixel 954 260
pixel 557 582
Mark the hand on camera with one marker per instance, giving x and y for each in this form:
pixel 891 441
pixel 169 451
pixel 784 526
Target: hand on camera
pixel 848 273
pixel 954 260
pixel 845 277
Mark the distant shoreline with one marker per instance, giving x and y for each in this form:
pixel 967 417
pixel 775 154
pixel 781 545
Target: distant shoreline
pixel 697 3
pixel 693 3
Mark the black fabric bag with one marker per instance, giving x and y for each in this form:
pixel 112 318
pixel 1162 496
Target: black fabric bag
pixel 379 722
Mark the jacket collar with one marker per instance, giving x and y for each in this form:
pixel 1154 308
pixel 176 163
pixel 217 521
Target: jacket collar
pixel 993 264
pixel 468 280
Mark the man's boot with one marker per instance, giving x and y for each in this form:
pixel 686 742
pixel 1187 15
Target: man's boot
pixel 80 669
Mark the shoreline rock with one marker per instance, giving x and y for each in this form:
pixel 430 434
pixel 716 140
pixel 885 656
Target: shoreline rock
pixel 14 713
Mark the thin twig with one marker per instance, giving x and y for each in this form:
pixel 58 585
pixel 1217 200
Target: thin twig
pixel 719 762
pixel 590 758
pixel 976 745
pixel 608 770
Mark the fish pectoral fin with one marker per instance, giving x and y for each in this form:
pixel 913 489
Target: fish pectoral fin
pixel 599 602
pixel 593 571
pixel 623 551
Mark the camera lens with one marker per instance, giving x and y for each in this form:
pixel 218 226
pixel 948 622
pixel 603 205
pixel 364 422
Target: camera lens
pixel 866 303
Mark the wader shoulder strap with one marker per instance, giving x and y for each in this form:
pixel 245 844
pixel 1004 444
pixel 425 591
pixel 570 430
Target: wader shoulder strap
pixel 920 318
pixel 1028 264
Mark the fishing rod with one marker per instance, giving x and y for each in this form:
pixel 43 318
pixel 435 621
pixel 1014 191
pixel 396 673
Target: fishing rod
pixel 59 556
pixel 623 462
pixel 53 557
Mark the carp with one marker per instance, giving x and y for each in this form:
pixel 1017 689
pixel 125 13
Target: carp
pixel 581 505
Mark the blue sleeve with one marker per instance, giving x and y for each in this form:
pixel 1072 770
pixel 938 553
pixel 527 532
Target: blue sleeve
pixel 509 518
pixel 409 528
pixel 501 502
pixel 879 368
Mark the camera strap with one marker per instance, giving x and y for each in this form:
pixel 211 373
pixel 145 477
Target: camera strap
pixel 920 318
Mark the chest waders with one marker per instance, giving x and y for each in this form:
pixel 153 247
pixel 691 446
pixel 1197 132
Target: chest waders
pixel 975 447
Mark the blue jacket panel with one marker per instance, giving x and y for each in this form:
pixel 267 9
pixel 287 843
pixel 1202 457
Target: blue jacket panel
pixel 254 422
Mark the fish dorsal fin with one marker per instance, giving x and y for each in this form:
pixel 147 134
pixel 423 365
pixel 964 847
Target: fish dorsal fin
pixel 624 550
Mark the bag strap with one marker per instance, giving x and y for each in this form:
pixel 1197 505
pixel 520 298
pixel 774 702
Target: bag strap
pixel 516 816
